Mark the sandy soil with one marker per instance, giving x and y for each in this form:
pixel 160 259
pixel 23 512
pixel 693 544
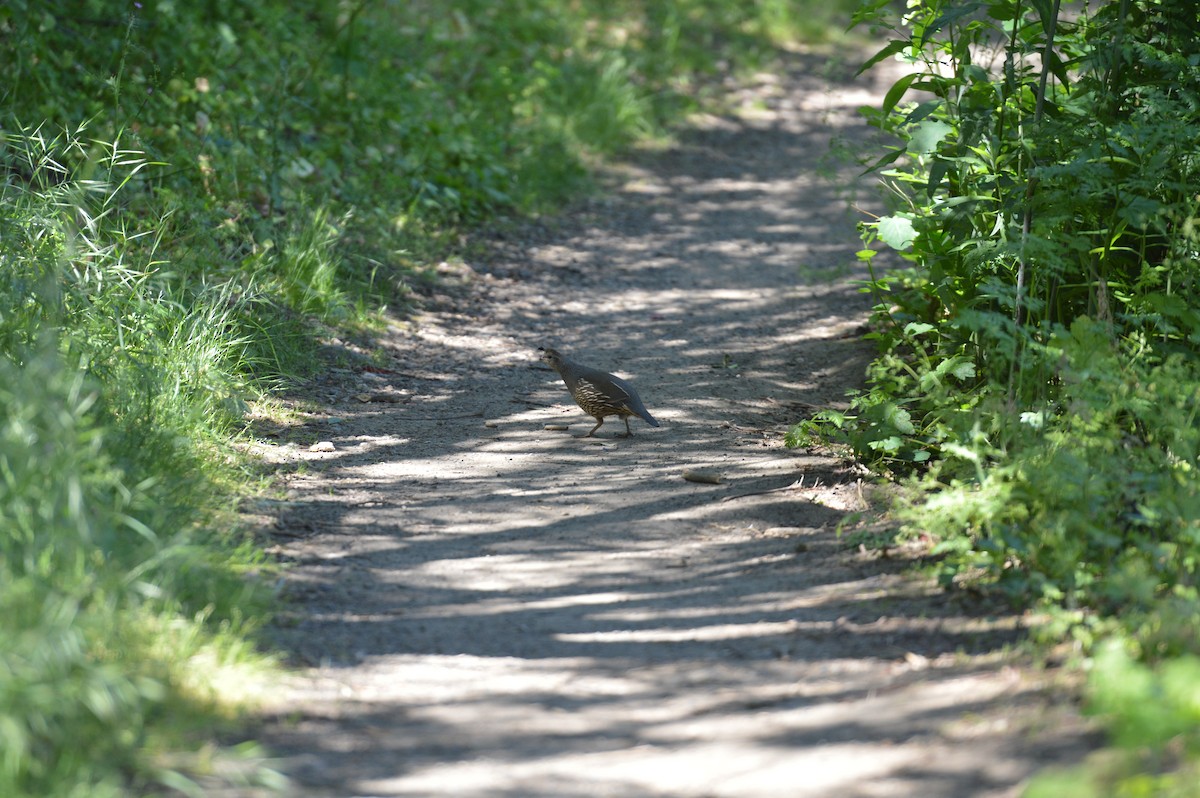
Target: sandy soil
pixel 483 607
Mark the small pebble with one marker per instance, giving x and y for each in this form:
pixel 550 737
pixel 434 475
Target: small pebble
pixel 322 446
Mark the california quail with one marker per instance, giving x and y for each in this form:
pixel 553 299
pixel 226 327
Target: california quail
pixel 599 394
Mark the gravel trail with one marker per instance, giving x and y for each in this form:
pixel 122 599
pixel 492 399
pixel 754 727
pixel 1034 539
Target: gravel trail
pixel 483 607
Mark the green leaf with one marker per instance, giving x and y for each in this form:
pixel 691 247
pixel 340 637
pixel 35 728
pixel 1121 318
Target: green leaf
pixel 1044 12
pixel 1058 68
pixel 976 73
pixel 937 172
pixel 896 92
pixel 896 231
pixel 888 445
pixel 891 48
pixel 949 17
pixel 1002 11
pixel 884 161
pixel 928 135
pixel 964 370
pixel 898 418
pixel 1138 211
pixel 921 111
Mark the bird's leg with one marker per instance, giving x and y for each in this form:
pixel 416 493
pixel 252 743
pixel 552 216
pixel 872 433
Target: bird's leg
pixel 599 421
pixel 628 431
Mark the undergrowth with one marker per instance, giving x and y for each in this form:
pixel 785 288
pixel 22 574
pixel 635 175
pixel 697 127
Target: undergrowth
pixel 1037 388
pixel 192 197
pixel 365 134
pixel 118 581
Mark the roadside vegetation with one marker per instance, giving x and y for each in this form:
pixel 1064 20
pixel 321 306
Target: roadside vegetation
pixel 193 195
pixel 1036 395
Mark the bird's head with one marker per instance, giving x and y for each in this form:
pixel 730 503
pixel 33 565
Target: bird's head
pixel 551 357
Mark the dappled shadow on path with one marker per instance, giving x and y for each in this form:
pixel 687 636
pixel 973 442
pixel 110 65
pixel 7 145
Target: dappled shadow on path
pixel 503 610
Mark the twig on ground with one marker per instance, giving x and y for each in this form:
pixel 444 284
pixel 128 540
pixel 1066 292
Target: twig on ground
pixel 794 486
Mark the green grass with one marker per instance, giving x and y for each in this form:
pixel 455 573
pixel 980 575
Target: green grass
pixel 117 577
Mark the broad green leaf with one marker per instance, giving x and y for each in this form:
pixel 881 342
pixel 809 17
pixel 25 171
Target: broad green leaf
pixel 964 370
pixel 899 418
pixel 889 445
pixel 896 231
pixel 976 73
pixel 928 135
pixel 1058 68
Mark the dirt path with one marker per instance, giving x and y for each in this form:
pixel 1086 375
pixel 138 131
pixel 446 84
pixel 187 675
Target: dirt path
pixel 494 609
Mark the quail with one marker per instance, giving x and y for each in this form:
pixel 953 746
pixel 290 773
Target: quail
pixel 599 394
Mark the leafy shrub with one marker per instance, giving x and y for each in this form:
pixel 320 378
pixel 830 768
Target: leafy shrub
pixel 1037 390
pixel 1155 717
pixel 1040 345
pixel 1095 500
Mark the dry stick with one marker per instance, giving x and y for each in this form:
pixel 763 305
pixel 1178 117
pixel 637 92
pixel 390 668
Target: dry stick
pixel 794 486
